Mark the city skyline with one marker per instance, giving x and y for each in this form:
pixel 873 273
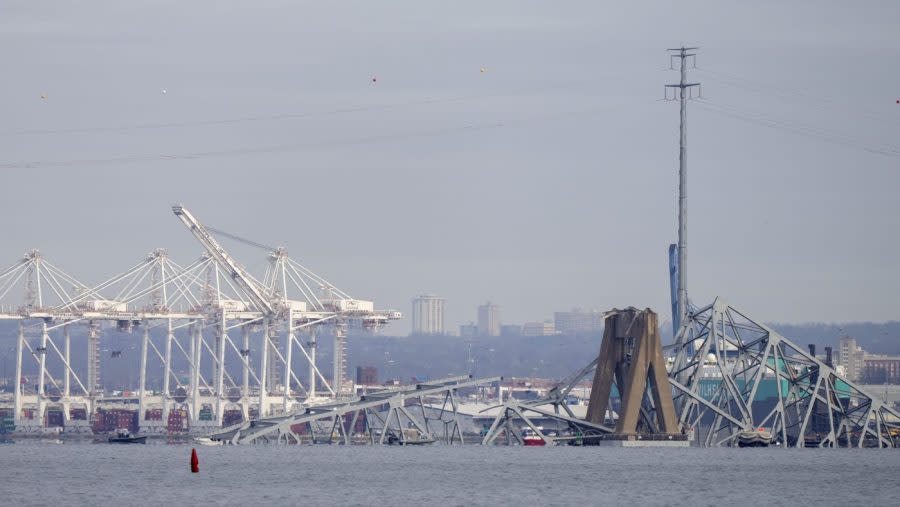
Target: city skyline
pixel 428 309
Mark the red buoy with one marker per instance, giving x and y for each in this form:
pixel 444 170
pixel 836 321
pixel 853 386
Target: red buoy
pixel 195 463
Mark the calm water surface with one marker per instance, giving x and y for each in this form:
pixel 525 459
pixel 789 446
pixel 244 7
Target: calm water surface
pixel 35 473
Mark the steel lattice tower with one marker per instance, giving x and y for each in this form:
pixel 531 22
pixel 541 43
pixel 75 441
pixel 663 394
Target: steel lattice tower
pixel 682 94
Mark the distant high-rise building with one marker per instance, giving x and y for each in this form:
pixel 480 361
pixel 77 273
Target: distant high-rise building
pixel 366 376
pixel 851 358
pixel 538 329
pixel 578 321
pixel 428 315
pixel 489 320
pixel 469 330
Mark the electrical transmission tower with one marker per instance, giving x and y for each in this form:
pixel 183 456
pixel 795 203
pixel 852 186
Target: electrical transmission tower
pixel 682 92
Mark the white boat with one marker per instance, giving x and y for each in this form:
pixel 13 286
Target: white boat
pixel 208 441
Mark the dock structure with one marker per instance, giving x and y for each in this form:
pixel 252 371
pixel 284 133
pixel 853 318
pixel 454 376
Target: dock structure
pixel 207 314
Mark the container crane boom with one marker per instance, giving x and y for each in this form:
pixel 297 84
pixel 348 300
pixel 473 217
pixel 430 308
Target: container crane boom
pixel 235 271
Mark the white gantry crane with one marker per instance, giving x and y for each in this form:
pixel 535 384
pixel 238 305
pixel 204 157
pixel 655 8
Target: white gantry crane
pixel 167 313
pixel 288 297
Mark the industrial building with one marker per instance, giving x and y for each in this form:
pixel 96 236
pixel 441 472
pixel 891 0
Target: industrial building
pixel 880 369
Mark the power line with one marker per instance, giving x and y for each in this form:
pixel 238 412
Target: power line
pixel 258 150
pixel 806 130
pixel 820 102
pixel 794 95
pixel 815 129
pixel 245 241
pixel 293 115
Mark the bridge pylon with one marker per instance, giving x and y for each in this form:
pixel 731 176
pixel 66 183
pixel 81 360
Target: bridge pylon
pixel 631 359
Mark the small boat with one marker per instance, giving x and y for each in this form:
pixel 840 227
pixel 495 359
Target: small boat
pixel 410 437
pixel 755 438
pixel 531 438
pixel 208 441
pixel 123 436
pixel 392 440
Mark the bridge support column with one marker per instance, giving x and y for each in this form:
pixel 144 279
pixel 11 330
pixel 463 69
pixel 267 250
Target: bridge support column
pixel 631 357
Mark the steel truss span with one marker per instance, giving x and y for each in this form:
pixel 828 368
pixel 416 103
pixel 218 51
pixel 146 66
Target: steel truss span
pixel 812 406
pixel 395 416
pixel 514 416
pixel 728 374
pixel 205 314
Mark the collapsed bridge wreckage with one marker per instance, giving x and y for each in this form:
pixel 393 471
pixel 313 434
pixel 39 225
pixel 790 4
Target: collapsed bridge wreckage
pixel 726 375
pixel 400 415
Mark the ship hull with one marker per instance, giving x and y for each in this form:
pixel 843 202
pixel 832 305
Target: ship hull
pixel 128 440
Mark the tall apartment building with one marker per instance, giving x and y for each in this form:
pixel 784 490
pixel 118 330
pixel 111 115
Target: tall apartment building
pixel 489 320
pixel 578 321
pixel 428 315
pixel 851 358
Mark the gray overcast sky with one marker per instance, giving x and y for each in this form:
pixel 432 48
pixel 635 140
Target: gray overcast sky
pixel 544 183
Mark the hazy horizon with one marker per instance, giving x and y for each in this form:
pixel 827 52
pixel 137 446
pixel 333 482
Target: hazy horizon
pixel 516 152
